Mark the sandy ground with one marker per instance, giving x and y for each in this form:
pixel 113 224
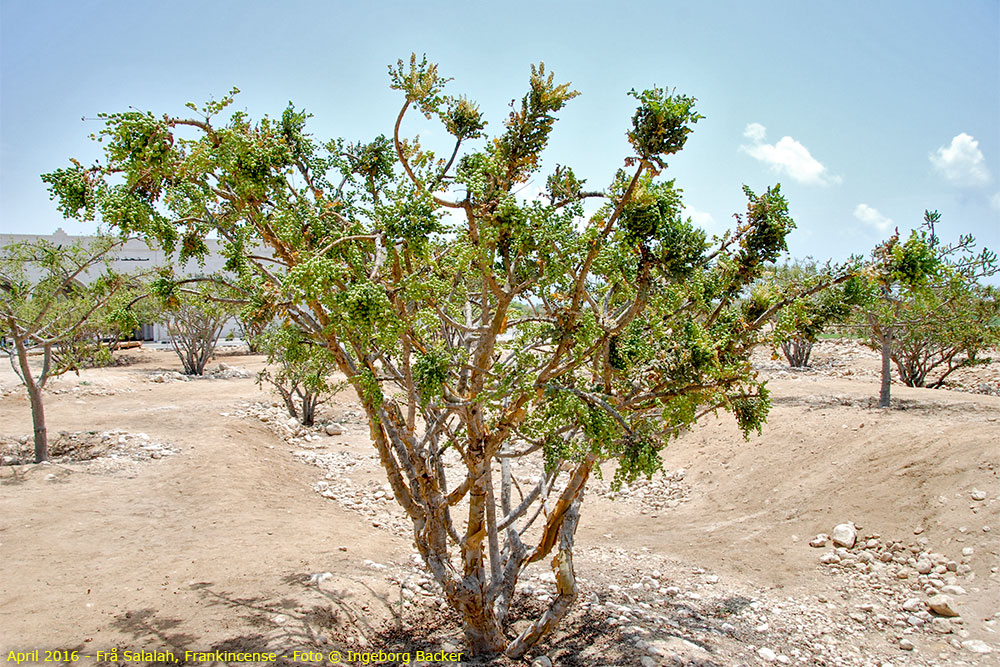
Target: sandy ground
pixel 212 547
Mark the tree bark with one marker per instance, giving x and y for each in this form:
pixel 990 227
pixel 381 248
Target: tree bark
pixel 37 405
pixel 884 391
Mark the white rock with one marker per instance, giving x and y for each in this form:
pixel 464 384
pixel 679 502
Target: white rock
pixel 819 541
pixel 914 605
pixel 767 655
pixel 978 495
pixel 977 646
pixel 334 428
pixel 953 590
pixel 924 566
pixel 905 644
pixel 845 535
pixel 541 661
pixel 320 577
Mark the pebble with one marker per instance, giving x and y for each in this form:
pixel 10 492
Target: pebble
pixel 819 541
pixel 905 644
pixel 541 661
pixel 767 655
pixel 978 495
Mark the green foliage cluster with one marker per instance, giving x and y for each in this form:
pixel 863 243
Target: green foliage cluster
pixel 799 325
pixel 298 368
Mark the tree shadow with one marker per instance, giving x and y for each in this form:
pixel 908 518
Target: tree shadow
pixel 154 632
pixel 324 618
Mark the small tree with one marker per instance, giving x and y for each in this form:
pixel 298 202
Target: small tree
pixel 194 325
pixel 910 283
pixel 944 329
pixel 631 323
pixel 799 325
pixel 47 306
pixel 298 368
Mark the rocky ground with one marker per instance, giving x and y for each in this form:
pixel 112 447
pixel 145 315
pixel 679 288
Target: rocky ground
pixel 197 515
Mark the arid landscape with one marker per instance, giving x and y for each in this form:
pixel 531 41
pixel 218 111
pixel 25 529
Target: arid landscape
pixel 203 520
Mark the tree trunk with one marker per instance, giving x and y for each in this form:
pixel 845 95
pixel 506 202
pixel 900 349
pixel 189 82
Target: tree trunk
pixel 37 406
pixel 884 391
pixel 308 408
pixel 38 421
pixel 797 351
pixel 483 635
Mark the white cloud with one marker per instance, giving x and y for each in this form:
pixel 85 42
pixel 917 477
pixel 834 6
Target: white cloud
pixel 788 156
pixel 962 163
pixel 872 217
pixel 701 218
pixel 755 132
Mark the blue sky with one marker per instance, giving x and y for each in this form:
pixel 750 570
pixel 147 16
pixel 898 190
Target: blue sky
pixel 867 113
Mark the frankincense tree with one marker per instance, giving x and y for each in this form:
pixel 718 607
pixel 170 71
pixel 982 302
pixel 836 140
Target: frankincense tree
pixel 502 352
pixel 54 302
pixel 925 302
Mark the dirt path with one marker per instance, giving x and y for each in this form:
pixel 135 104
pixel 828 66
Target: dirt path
pixel 188 551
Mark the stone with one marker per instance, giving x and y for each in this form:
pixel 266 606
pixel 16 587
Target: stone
pixel 978 495
pixel 977 646
pixel 767 655
pixel 942 605
pixel 913 605
pixel 541 661
pixel 942 626
pixel 845 535
pixel 320 577
pixel 924 566
pixel 953 590
pixel 334 428
pixel 646 661
pixel 829 558
pixel 905 644
pixel 819 541
pixel 681 651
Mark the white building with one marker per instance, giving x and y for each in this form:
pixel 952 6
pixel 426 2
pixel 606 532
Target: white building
pixel 136 256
